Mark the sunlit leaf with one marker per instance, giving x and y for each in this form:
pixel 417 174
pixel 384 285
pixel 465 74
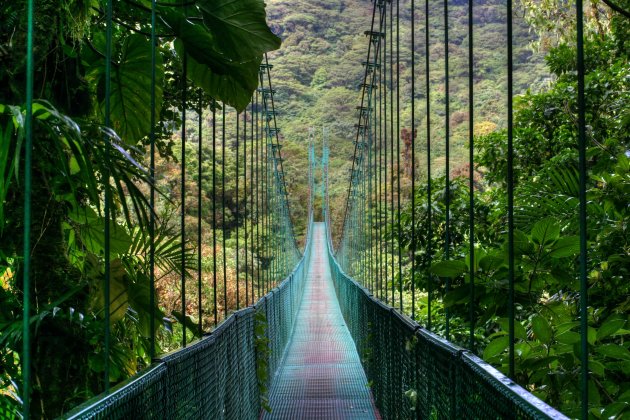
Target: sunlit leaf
pixel 545 232
pixel 235 89
pixel 239 27
pixel 130 97
pixel 609 327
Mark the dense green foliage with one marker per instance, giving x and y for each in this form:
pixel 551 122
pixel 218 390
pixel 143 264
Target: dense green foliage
pixel 75 156
pixel 546 239
pixel 318 71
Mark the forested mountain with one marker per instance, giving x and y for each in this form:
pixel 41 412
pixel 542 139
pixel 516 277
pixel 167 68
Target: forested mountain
pixel 318 71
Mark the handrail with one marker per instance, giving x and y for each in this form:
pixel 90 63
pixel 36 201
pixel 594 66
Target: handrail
pixel 129 397
pixel 472 372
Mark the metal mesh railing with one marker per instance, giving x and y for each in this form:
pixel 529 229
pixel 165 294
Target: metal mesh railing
pixel 416 374
pixel 215 377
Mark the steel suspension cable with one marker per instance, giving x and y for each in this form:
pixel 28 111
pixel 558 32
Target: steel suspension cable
pixel 199 195
pixel 385 128
pixel 510 189
pixel 379 121
pixel 427 64
pixel 152 186
pixel 581 102
pixel 275 125
pixel 471 179
pixel 267 248
pixel 391 145
pixel 237 221
pixel 413 160
pixel 251 192
pixel 398 176
pixel 107 193
pixel 257 183
pixel 245 233
pixel 28 180
pixel 447 168
pixel 365 75
pixel 183 199
pixel 214 213
pixel 223 140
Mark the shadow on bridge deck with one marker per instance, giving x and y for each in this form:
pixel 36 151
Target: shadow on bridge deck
pixel 321 376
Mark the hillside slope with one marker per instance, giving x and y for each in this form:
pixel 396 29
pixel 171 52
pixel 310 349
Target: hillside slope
pixel 318 69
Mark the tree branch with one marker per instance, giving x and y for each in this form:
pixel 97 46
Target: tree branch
pixel 616 8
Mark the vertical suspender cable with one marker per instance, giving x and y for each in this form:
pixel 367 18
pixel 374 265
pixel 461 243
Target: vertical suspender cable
pixel 510 192
pixel 268 244
pixel 225 305
pixel 245 232
pixel 385 129
pixel 199 195
pixel 391 144
pixel 371 188
pixel 413 159
pixel 584 375
pixel 471 171
pixel 28 158
pixel 251 188
pixel 152 187
pixel 106 176
pixel 377 171
pixel 257 183
pixel 214 213
pixel 237 175
pixel 427 64
pixel 365 87
pixel 447 146
pixel 183 198
pixel 380 152
pixel 400 279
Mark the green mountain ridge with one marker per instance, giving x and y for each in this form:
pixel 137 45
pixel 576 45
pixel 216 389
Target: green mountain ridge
pixel 317 73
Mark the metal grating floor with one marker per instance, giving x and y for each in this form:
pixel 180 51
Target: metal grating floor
pixel 321 376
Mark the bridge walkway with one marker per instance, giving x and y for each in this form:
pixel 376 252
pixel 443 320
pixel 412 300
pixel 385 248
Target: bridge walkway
pixel 321 376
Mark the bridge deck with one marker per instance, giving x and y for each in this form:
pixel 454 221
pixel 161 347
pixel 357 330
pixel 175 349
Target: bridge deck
pixel 321 376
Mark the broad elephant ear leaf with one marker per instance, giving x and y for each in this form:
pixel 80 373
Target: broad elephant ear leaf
pixel 239 28
pixel 234 88
pixel 130 97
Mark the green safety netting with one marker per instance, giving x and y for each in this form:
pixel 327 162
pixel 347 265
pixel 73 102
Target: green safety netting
pixel 215 377
pixel 416 374
pixel 321 376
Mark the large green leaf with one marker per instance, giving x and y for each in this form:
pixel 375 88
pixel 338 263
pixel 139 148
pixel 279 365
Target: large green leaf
pixel 496 347
pixel 456 296
pixel 234 88
pixel 614 351
pixel 545 231
pixel 90 227
pixel 522 244
pixel 519 330
pixel 610 326
pixel 10 138
pixel 239 28
pixel 197 40
pixel 567 246
pixel 541 329
pixel 130 97
pixel 451 268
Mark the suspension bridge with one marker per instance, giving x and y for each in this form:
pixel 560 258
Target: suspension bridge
pixel 286 326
